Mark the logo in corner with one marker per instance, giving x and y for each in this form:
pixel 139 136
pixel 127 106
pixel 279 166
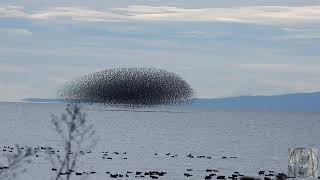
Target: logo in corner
pixel 303 162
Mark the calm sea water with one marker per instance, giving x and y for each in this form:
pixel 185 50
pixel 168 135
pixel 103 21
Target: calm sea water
pixel 259 140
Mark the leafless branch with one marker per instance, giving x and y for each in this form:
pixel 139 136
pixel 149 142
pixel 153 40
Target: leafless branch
pixel 73 128
pixel 16 159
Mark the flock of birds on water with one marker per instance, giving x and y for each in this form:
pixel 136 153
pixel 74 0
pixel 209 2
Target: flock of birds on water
pixel 152 174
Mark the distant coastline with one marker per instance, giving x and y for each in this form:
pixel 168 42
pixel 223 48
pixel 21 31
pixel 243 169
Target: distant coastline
pixel 44 100
pixel 305 102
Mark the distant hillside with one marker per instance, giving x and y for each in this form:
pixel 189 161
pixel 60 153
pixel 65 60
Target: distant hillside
pixel 309 102
pixel 303 102
pixel 40 100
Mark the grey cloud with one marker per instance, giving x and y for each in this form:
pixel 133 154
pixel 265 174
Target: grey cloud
pixel 270 15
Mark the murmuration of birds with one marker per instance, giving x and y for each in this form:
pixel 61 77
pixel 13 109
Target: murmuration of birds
pixel 128 87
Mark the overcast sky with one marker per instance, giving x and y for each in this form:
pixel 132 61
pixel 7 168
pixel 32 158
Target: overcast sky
pixel 222 48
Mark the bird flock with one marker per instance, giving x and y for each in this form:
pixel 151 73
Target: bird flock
pixel 209 173
pixel 128 87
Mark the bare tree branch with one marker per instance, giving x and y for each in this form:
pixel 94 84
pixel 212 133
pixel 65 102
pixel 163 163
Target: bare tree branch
pixel 73 128
pixel 15 162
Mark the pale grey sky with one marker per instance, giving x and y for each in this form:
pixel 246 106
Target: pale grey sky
pixel 222 48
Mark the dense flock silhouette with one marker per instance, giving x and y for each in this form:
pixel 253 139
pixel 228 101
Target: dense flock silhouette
pixel 128 86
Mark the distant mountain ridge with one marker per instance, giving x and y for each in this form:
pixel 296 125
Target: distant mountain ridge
pixel 43 100
pixel 301 102
pixel 309 102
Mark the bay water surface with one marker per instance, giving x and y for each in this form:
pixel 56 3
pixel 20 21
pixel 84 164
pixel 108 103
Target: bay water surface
pixel 258 140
